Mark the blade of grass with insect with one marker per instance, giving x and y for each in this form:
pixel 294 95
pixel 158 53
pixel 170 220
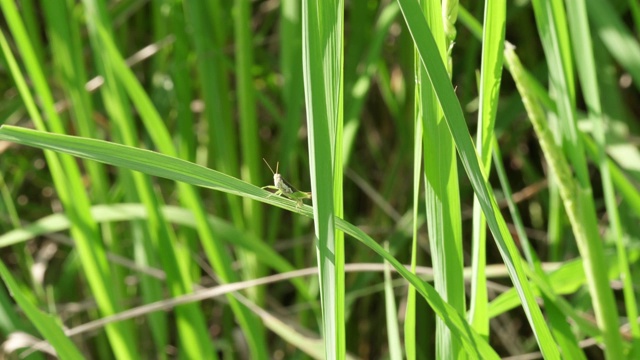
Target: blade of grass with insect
pixel 379 89
pixel 288 146
pixel 284 188
pixel 157 164
pixel 322 28
pixel 67 179
pixel 216 254
pixel 455 120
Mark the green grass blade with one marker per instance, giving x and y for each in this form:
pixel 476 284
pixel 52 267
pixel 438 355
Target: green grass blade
pixel 616 37
pixel 249 142
pixel 46 324
pixel 178 216
pixel 67 53
pixel 566 339
pixel 391 312
pixel 322 67
pixel 580 211
pixel 207 21
pixel 221 84
pixel 156 164
pixel 552 27
pixel 67 179
pixel 583 50
pixel 288 145
pixel 161 241
pixel 490 77
pixel 627 189
pixel 455 120
pixel 442 198
pixel 217 255
pixel 410 314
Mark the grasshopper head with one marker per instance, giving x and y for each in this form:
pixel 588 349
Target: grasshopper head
pixel 276 176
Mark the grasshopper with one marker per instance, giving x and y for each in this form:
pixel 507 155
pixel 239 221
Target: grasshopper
pixel 283 187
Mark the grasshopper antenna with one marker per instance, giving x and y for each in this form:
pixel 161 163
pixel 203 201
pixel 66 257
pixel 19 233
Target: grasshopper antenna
pixel 265 161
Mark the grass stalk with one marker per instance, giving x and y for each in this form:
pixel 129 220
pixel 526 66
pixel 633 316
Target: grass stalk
pixel 322 24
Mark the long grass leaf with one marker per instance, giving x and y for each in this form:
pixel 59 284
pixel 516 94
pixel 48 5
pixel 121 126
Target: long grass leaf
pixel 490 77
pixel 393 332
pixel 442 198
pixel 579 209
pixel 46 324
pixel 156 164
pixel 455 120
pixel 67 179
pixel 161 241
pixel 217 255
pixel 322 67
pixel 583 50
